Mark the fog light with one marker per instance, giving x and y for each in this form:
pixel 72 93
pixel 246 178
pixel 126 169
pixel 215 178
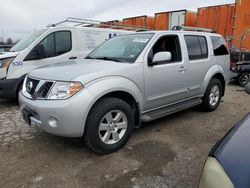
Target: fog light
pixel 53 122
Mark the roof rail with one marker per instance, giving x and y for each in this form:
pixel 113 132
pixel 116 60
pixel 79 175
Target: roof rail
pixel 71 21
pixel 186 28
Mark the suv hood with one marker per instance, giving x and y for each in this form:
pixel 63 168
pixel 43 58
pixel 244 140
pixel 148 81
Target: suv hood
pixel 75 70
pixel 8 54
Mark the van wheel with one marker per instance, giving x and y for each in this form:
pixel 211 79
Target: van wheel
pixel 212 97
pixel 109 125
pixel 244 79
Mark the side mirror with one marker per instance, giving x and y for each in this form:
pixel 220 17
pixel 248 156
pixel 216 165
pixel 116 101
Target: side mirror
pixel 161 57
pixel 37 53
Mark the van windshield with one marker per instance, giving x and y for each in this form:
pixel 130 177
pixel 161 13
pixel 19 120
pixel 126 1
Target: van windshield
pixel 24 43
pixel 125 48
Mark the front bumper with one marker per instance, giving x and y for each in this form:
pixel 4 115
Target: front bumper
pixel 70 114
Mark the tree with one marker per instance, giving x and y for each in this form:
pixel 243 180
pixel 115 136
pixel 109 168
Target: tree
pixel 9 41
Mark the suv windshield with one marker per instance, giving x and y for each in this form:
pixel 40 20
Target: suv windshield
pixel 24 43
pixel 124 48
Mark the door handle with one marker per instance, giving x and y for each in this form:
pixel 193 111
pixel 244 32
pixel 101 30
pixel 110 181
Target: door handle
pixel 182 69
pixel 73 57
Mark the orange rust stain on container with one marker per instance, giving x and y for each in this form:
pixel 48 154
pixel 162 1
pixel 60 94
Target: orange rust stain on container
pixel 241 26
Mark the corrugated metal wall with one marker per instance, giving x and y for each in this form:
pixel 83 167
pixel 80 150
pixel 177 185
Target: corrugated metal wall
pixel 241 28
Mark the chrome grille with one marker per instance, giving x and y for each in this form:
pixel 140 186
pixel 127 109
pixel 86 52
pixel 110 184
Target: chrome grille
pixel 44 90
pixel 37 89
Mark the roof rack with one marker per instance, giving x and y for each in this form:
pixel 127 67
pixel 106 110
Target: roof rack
pixel 71 21
pixel 186 28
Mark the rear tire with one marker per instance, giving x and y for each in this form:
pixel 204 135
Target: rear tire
pixel 244 78
pixel 212 97
pixel 109 125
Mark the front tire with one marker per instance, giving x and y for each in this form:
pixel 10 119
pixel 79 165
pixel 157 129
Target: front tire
pixel 109 125
pixel 212 97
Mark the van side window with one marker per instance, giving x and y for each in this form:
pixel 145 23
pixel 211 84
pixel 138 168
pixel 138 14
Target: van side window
pixel 63 42
pixel 55 44
pixel 197 47
pixel 219 46
pixel 170 44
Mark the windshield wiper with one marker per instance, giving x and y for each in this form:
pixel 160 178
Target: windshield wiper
pixel 103 58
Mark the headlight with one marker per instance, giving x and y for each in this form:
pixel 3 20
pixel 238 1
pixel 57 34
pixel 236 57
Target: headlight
pixel 213 175
pixel 4 63
pixel 64 90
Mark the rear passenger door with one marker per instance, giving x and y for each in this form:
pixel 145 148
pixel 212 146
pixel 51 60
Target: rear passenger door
pixel 166 82
pixel 199 62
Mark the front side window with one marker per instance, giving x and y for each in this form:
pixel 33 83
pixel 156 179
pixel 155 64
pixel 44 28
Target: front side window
pixel 219 46
pixel 124 48
pixel 54 44
pixel 197 47
pixel 169 43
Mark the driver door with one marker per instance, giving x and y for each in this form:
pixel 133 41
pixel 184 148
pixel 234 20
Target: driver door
pixel 56 47
pixel 165 82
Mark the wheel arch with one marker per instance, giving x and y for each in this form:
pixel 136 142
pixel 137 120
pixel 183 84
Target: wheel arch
pixel 215 72
pixel 128 98
pixel 121 88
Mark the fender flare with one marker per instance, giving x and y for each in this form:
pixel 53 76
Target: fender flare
pixel 215 69
pixel 114 84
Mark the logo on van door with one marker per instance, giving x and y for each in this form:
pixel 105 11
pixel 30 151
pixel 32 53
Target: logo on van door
pixel 15 64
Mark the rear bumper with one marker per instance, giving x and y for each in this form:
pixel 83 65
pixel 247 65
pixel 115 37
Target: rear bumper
pixel 8 88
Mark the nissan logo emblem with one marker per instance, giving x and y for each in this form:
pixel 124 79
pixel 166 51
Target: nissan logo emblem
pixel 29 86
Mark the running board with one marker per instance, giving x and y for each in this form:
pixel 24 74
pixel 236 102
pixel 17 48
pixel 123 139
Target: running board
pixel 152 115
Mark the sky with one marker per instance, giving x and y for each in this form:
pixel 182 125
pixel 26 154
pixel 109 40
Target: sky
pixel 18 18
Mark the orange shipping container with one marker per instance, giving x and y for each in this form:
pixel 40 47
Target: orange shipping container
pixel 116 24
pixel 241 27
pixel 167 20
pixel 143 22
pixel 218 18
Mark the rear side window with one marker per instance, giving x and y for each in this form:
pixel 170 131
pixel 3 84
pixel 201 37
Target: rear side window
pixel 197 47
pixel 219 46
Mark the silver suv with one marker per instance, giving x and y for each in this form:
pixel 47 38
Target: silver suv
pixel 125 81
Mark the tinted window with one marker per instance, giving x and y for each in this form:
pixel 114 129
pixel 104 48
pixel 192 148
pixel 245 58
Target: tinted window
pixel 49 46
pixel 170 44
pixel 63 42
pixel 197 47
pixel 203 44
pixel 219 46
pixel 56 44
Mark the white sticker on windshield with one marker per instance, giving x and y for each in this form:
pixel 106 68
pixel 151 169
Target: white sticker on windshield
pixel 140 40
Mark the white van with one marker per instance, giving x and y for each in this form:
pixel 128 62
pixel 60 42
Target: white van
pixel 48 46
